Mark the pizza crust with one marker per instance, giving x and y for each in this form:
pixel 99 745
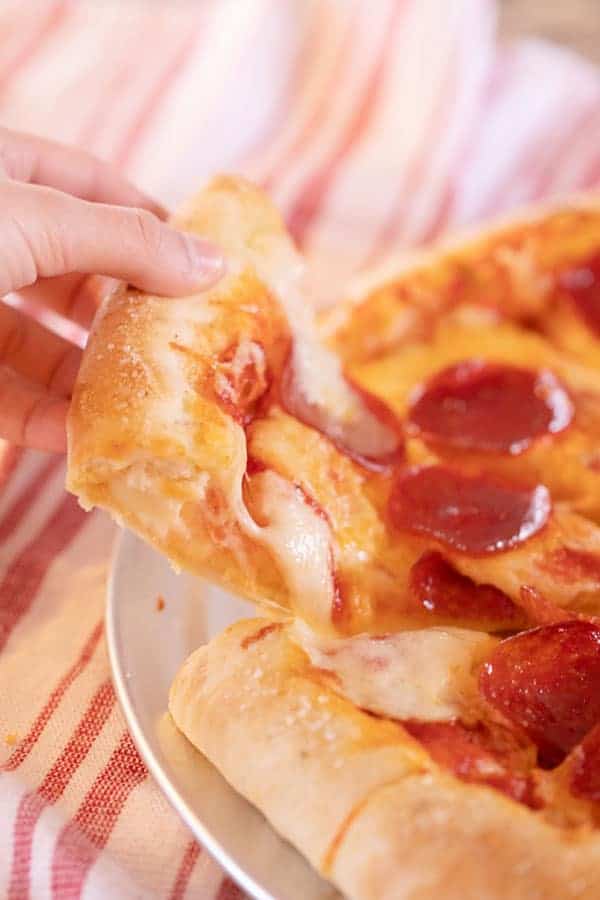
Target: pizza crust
pixel 465 242
pixel 375 316
pixel 253 704
pixel 428 836
pixel 355 793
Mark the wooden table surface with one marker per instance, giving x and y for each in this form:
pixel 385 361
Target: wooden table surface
pixel 575 23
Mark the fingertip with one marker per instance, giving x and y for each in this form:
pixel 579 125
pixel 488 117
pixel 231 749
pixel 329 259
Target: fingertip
pixel 207 264
pixel 188 264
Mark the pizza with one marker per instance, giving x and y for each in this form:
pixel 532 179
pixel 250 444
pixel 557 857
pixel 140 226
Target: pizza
pixel 412 765
pixel 408 488
pixel 221 429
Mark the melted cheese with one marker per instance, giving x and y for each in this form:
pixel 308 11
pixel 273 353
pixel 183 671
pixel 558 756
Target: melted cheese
pixel 336 408
pixel 529 285
pixel 250 230
pixel 429 674
pixel 300 540
pixel 248 362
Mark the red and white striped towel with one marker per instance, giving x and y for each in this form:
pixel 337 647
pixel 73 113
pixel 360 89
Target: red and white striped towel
pixel 375 126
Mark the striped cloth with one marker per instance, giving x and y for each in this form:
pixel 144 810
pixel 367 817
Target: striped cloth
pixel 375 126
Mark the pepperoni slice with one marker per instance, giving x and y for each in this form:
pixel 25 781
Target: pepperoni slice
pixel 442 591
pixel 368 431
pixel 547 682
pixel 489 407
pixel 581 283
pixel 471 514
pixel 477 755
pixel 584 778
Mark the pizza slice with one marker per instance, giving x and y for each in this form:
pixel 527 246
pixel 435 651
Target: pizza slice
pixel 221 429
pixel 427 763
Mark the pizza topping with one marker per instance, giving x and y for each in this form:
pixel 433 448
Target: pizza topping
pixel 471 514
pixel 423 673
pixel 359 424
pixel 478 755
pixel 483 406
pixel 584 773
pixel 540 610
pixel 581 283
pixel 261 634
pixel 314 388
pixel 570 565
pixel 442 591
pixel 297 531
pixel 547 682
pixel 240 379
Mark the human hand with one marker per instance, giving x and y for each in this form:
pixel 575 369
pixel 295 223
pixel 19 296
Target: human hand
pixel 64 216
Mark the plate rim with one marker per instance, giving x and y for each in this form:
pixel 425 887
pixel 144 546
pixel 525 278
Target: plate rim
pixel 174 797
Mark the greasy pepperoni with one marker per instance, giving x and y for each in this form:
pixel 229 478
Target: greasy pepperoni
pixel 369 432
pixel 584 778
pixel 472 514
pixel 489 407
pixel 439 589
pixel 582 284
pixel 477 755
pixel 547 682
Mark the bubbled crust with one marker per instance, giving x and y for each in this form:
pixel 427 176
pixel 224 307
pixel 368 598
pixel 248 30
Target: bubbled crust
pixel 355 794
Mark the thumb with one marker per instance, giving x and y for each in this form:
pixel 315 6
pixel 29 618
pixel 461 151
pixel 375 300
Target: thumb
pixel 44 233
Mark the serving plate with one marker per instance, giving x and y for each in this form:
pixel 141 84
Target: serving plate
pixel 147 642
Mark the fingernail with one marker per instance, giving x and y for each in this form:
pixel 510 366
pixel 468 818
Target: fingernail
pixel 153 206
pixel 207 263
pixel 159 210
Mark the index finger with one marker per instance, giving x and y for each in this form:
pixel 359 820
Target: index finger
pixel 69 169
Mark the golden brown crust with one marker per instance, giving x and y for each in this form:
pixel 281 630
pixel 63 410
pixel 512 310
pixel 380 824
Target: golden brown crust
pixel 507 266
pixel 262 714
pixel 356 794
pixel 428 836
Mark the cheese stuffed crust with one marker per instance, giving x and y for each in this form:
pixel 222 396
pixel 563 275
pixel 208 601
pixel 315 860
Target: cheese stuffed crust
pixel 222 430
pixel 419 790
